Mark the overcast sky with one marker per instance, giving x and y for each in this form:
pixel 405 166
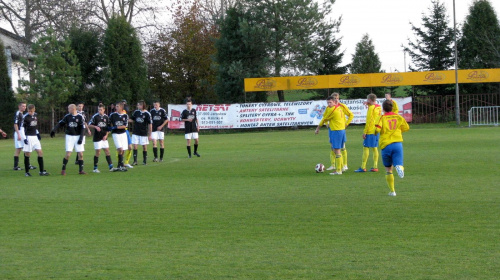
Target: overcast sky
pixel 387 22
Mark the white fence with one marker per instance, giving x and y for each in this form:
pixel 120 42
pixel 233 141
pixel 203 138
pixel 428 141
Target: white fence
pixel 487 115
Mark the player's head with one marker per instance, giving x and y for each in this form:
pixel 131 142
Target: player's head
pixel 330 101
pixel 79 106
pixel 141 105
pixel 31 109
pixel 189 103
pixel 371 99
pixel 388 95
pixel 156 104
pixel 72 109
pixel 119 106
pixel 21 106
pixel 101 108
pixel 387 106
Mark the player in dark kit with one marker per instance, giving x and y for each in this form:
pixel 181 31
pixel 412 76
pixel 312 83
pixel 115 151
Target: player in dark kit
pixel 32 140
pixel 142 130
pixel 160 119
pixel 100 122
pixel 79 110
pixel 191 127
pixel 119 121
pixel 74 137
pixel 19 135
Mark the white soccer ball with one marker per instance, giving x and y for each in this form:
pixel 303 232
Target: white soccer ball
pixel 319 168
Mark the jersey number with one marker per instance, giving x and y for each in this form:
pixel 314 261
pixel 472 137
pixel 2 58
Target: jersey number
pixel 392 124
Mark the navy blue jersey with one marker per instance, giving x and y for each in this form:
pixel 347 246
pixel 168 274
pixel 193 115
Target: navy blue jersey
pixel 101 121
pixel 158 116
pixel 18 119
pixel 116 120
pixel 73 123
pixel 142 120
pixel 30 124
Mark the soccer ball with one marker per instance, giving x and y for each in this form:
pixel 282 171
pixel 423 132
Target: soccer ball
pixel 319 168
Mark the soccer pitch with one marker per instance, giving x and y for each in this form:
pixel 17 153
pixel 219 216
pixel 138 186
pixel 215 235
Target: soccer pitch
pixel 252 207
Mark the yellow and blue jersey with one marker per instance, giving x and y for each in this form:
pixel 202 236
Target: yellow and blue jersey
pixel 374 112
pixel 391 126
pixel 336 117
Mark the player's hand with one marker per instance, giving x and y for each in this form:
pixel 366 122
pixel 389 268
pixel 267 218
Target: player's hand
pixel 26 141
pixel 80 140
pixel 90 132
pixel 105 137
pixel 18 137
pixel 98 129
pixel 52 134
pixel 159 128
pixel 364 136
pixel 316 131
pixel 39 136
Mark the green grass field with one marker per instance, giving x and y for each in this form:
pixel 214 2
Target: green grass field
pixel 252 207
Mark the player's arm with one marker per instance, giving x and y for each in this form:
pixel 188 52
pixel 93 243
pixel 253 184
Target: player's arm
pixel 378 124
pixel 395 108
pixel 185 117
pixel 404 125
pixel 16 128
pixel 164 123
pixel 369 121
pixel 349 114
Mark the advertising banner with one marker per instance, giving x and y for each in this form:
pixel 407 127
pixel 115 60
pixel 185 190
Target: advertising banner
pixel 273 114
pixel 373 80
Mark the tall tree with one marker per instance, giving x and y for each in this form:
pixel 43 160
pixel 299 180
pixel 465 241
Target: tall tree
pixel 7 100
pixel 479 46
pixel 124 62
pixel 236 61
pixel 432 49
pixel 181 60
pixel 55 73
pixel 88 48
pixel 289 30
pixel 365 60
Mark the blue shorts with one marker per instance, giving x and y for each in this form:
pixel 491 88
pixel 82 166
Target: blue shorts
pixel 392 154
pixel 371 140
pixel 129 139
pixel 337 138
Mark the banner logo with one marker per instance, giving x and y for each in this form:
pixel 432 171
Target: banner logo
pixel 350 80
pixel 265 84
pixel 434 77
pixel 307 82
pixel 478 76
pixel 392 79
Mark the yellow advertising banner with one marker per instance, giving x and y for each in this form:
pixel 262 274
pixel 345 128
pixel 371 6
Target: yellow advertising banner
pixel 373 80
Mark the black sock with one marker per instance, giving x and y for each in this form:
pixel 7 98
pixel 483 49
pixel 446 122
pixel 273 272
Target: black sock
pixel 155 152
pixel 76 159
pixel 40 164
pixel 27 163
pixel 189 150
pixel 162 150
pixel 96 161
pixel 135 155
pixel 108 159
pixel 16 161
pixel 80 165
pixel 195 148
pixel 65 161
pixel 145 155
pixel 120 160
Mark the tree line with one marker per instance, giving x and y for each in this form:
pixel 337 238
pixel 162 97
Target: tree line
pixel 108 50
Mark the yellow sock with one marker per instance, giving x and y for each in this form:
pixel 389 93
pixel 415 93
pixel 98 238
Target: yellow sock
pixel 366 153
pixel 390 180
pixel 375 157
pixel 338 163
pixel 332 158
pixel 344 155
pixel 128 155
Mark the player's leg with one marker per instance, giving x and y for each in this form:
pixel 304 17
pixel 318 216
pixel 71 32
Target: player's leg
pixel 337 140
pixel 17 152
pixel 344 158
pixel 144 142
pixel 42 172
pixel 397 159
pixel 196 141
pixel 188 143
pixel 27 162
pixel 79 150
pixel 387 161
pixel 97 149
pixel 128 151
pixel 105 147
pixel 154 138
pixel 332 160
pixel 69 146
pixel 134 144
pixel 162 148
pixel 375 159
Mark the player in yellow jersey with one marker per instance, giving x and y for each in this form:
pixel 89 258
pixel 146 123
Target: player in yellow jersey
pixel 395 108
pixel 391 126
pixel 370 137
pixel 335 114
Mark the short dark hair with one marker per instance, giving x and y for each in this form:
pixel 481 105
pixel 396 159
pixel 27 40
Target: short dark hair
pixel 329 98
pixel 31 106
pixel 80 102
pixel 189 99
pixel 387 106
